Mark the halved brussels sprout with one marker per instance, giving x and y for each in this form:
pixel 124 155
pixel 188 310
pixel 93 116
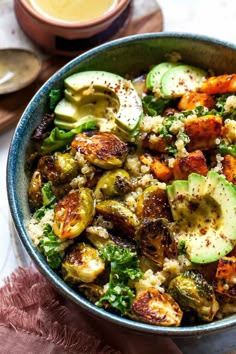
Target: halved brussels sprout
pixel 121 217
pixel 102 149
pixel 58 168
pixel 92 292
pixel 192 292
pixel 113 183
pixel 153 203
pixel 35 190
pixel 73 213
pixel 146 264
pixel 156 241
pixel 98 236
pixel 82 264
pixel 154 307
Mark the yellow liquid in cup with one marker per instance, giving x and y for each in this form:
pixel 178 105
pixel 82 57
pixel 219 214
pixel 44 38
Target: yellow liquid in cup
pixel 73 10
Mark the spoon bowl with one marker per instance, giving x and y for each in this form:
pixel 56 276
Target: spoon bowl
pixel 18 69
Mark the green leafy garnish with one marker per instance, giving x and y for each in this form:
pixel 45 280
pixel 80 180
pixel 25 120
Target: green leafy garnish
pixel 59 138
pixel 224 149
pixel 124 266
pixel 39 213
pixel 155 106
pixel 182 248
pixel 172 150
pixel 54 97
pixel 52 247
pixel 47 193
pixel 221 101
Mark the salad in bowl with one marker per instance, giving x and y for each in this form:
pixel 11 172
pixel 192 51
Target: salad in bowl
pixel 132 191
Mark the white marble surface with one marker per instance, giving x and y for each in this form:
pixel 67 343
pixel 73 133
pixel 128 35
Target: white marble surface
pixel 214 18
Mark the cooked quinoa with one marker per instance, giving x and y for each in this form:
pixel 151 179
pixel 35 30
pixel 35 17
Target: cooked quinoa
pixel 113 222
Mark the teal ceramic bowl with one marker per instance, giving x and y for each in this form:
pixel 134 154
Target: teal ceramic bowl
pixel 128 55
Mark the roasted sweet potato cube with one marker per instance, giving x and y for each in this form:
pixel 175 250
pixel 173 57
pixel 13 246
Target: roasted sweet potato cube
pixel 203 132
pixel 161 170
pixel 191 100
pixel 219 84
pixel 229 168
pixel 225 280
pixel 194 162
pixel 156 143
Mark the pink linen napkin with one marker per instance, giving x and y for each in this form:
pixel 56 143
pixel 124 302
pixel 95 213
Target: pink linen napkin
pixel 34 319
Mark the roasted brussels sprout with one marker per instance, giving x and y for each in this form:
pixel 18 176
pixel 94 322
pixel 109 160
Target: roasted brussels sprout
pixel 82 264
pixel 92 292
pixel 121 217
pixel 98 236
pixel 58 168
pixel 153 203
pixel 102 149
pixel 146 264
pixel 155 240
pixel 192 292
pixel 35 190
pixel 113 183
pixel 73 213
pixel 154 307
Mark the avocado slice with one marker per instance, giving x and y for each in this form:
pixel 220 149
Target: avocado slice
pixel 129 111
pixel 68 115
pixel 154 76
pixel 180 79
pixel 204 211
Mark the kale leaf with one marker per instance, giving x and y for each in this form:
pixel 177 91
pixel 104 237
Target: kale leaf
pixel 124 266
pixel 52 247
pixel 55 96
pixel 59 138
pixel 155 106
pixel 224 149
pixel 47 193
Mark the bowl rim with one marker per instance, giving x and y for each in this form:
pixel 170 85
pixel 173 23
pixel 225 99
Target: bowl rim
pixel 40 263
pixel 109 15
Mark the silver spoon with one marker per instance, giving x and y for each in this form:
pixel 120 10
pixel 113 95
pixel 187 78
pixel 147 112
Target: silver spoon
pixel 18 68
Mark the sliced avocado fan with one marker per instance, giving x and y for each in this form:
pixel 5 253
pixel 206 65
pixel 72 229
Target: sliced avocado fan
pixel 204 211
pixel 100 94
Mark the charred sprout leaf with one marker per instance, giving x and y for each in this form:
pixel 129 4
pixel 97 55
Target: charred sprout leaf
pixel 59 138
pixel 43 129
pixel 192 292
pixel 156 240
pixel 155 106
pixel 124 266
pixel 52 247
pixel 227 149
pixel 54 97
pixel 35 190
pixel 47 193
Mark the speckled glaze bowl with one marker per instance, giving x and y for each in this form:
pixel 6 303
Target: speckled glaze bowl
pixel 134 55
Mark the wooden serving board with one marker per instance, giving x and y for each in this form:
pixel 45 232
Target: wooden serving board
pixel 146 16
